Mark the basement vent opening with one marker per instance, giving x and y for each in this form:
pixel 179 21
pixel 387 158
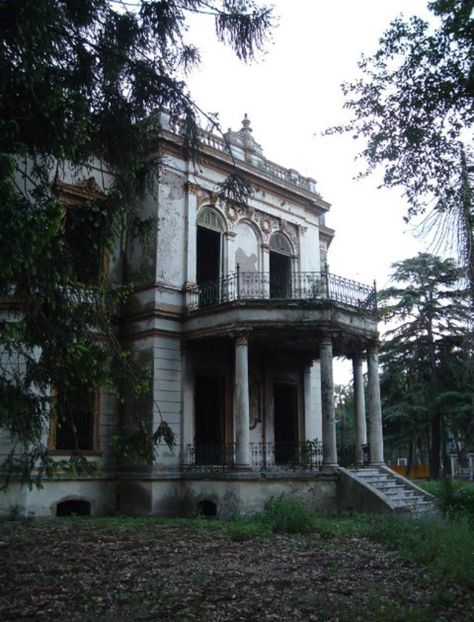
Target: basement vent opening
pixel 206 508
pixel 73 507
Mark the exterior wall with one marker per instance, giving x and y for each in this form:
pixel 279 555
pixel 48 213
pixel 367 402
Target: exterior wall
pixel 172 347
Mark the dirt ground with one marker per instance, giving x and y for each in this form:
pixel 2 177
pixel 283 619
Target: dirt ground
pixel 72 569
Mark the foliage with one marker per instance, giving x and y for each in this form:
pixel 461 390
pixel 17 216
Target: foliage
pixel 413 107
pixel 422 395
pixel 81 82
pixel 456 499
pixel 286 515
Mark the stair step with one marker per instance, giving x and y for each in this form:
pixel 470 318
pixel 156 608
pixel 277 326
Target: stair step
pixel 400 496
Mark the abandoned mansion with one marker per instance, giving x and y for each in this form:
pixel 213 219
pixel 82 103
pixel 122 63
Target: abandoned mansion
pixel 236 319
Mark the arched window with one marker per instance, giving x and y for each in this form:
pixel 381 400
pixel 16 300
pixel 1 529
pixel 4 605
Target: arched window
pixel 280 244
pixel 210 219
pixel 209 253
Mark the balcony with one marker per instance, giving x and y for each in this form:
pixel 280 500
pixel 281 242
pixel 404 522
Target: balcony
pixel 265 457
pixel 309 287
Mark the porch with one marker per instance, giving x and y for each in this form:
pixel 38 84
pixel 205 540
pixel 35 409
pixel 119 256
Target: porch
pixel 303 456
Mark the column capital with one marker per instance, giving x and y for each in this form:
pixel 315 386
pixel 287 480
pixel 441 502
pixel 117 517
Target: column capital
pixel 373 347
pixel 241 337
pixel 326 338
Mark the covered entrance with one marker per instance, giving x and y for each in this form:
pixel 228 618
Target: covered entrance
pixel 209 420
pixel 285 408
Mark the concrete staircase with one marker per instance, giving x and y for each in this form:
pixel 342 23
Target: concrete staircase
pixel 390 491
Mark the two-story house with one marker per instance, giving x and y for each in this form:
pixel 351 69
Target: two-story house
pixel 236 320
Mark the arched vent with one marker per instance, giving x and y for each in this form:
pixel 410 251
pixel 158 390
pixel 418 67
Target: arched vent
pixel 206 508
pixel 210 219
pixel 280 244
pixel 73 507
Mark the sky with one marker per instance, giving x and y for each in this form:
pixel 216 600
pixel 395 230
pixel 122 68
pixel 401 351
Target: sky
pixel 291 95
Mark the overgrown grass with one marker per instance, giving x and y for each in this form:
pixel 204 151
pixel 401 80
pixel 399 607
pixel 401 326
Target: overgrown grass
pixel 455 499
pixel 445 545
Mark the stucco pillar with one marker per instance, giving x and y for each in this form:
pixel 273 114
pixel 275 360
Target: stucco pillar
pixel 266 270
pixel 375 407
pixel 241 401
pixel 187 424
pixel 359 404
pixel 327 405
pixel 191 233
pixel 229 254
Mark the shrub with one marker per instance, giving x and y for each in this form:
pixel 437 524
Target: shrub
pixel 286 515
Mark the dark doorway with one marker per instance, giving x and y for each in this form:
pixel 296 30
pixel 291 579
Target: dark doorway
pixel 285 408
pixel 208 262
pixel 280 275
pixel 209 420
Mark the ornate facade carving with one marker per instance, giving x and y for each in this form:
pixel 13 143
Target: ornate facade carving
pixel 266 223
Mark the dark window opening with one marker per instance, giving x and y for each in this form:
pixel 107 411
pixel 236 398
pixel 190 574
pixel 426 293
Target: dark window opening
pixel 280 275
pixel 208 255
pixel 285 401
pixel 84 243
pixel 73 507
pixel 206 508
pixel 209 420
pixel 208 263
pixel 75 413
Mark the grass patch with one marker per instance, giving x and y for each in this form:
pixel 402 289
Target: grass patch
pixel 286 515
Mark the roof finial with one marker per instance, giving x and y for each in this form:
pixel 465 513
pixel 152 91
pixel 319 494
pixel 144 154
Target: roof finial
pixel 246 123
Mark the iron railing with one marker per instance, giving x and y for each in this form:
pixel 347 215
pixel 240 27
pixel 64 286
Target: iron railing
pixel 210 456
pixel 305 456
pixel 298 286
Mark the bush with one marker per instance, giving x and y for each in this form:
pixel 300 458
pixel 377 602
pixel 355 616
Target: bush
pixel 455 499
pixel 286 515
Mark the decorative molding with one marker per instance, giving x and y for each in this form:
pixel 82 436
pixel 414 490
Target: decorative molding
pixel 85 189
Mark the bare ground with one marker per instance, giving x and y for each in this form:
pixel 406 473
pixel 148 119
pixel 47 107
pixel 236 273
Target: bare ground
pixel 177 571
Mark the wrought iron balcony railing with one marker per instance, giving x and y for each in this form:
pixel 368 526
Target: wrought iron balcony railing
pixel 305 456
pixel 298 286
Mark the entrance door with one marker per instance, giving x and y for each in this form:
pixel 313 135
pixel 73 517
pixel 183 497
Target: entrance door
pixel 280 275
pixel 285 409
pixel 208 262
pixel 209 420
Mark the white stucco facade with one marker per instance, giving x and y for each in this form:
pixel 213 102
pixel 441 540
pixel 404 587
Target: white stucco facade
pixel 230 311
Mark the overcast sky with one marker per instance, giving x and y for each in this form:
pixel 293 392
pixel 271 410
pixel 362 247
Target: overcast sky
pixel 292 95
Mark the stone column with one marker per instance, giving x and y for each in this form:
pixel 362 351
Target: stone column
pixel 191 233
pixel 375 408
pixel 359 403
pixel 241 401
pixel 327 404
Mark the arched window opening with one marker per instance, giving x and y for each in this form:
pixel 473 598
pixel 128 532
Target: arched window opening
pixel 280 267
pixel 209 252
pixel 207 508
pixel 73 507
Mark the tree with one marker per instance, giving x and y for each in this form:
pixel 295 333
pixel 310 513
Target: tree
pixel 82 80
pixel 420 354
pixel 414 108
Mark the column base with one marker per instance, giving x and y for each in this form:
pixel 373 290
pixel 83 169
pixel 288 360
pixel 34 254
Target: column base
pixel 377 464
pixel 329 468
pixel 242 468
